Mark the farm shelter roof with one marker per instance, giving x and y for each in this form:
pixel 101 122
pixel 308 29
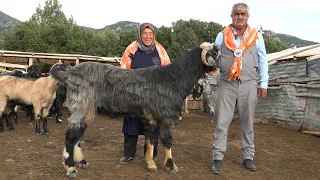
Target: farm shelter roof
pixel 311 52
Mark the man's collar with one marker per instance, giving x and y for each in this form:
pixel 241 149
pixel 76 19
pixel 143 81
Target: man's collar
pixel 234 31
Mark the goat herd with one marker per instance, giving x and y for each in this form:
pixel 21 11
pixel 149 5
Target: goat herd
pixel 37 93
pixel 154 93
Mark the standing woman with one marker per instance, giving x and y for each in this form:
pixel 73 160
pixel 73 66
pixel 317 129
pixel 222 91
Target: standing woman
pixel 144 52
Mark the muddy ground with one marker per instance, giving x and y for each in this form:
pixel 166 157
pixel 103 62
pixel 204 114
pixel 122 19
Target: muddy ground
pixel 280 153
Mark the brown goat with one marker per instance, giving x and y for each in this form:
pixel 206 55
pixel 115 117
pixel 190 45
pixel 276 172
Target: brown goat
pixel 40 93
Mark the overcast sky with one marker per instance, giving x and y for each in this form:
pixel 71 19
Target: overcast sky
pixel 292 17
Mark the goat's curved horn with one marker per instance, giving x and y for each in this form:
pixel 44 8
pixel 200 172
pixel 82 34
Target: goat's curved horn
pixel 205 48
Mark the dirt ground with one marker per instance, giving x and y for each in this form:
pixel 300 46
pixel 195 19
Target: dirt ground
pixel 280 153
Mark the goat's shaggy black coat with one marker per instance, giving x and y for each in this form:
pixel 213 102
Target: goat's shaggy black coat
pixel 155 93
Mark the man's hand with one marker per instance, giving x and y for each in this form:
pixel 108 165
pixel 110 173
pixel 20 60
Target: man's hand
pixel 262 92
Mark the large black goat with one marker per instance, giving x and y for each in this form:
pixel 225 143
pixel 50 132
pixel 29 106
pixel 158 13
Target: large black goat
pixel 154 93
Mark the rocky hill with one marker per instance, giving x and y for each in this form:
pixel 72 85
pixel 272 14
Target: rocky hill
pixel 290 41
pixel 6 22
pixel 123 26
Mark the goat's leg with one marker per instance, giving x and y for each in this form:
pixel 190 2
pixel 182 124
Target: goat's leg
pixel 150 143
pixel 52 111
pixel 72 150
pixel 9 122
pixel 78 155
pixel 76 128
pixel 166 139
pixel 44 115
pixel 37 115
pixel 37 130
pixel 1 124
pixel 29 111
pixel 3 104
pixel 13 116
pixel 58 105
pixel 45 126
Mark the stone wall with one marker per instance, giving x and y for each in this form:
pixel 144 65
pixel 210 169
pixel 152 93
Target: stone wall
pixel 282 106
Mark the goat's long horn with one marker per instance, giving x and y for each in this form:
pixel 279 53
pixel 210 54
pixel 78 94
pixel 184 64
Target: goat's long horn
pixel 205 48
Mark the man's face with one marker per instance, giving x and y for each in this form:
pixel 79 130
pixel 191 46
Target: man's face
pixel 240 18
pixel 147 36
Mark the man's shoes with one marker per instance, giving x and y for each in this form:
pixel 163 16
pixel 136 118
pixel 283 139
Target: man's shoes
pixel 217 166
pixel 248 163
pixel 125 160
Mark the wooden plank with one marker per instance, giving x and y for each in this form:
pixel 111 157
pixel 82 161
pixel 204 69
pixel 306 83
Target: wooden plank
pixel 304 105
pixel 315 133
pixel 4 70
pixel 298 80
pixel 45 54
pixel 286 54
pixel 314 57
pixel 311 86
pixel 273 88
pixel 9 65
pixel 55 57
pixel 308 95
pixel 58 56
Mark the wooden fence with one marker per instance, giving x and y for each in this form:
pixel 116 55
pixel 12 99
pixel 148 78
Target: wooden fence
pixel 10 60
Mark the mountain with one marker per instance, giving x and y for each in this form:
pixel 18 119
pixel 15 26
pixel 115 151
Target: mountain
pixel 123 26
pixel 290 41
pixel 6 22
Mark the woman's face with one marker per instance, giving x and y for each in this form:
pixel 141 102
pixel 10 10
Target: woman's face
pixel 147 36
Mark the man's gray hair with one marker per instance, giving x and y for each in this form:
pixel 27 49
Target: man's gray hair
pixel 239 6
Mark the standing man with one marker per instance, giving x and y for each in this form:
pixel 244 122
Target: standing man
pixel 243 65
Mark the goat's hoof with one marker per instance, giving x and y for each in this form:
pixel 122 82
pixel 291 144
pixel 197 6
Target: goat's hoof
pixel 49 117
pixel 46 133
pixel 1 130
pixel 11 128
pixel 72 172
pixel 171 166
pixel 37 133
pixel 173 170
pixel 151 166
pixel 59 121
pixel 83 164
